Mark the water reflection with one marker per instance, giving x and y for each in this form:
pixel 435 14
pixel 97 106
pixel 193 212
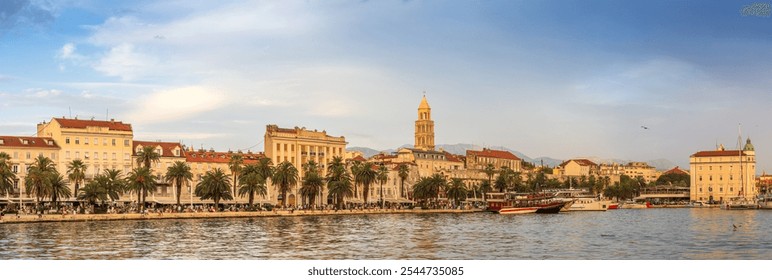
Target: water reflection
pixel 621 234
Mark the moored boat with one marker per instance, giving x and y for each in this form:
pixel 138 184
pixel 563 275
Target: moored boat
pixel 765 202
pixel 518 210
pixel 739 203
pixel 613 205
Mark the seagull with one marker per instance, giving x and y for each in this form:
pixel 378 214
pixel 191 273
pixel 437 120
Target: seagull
pixel 734 226
pixel 644 127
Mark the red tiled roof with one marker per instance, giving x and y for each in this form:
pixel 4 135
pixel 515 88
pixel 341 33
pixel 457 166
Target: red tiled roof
pixel 452 157
pixel 35 142
pixel 112 125
pixel 383 157
pixel 220 157
pixel 167 148
pixel 358 158
pixel 581 162
pixel 730 153
pixel 492 154
pixel 675 170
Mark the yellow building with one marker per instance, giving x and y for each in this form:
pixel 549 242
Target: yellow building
pixel 480 159
pixel 722 174
pixel 23 151
pixel 631 169
pixel 298 146
pixel 99 144
pixel 169 152
pixel 424 127
pixel 576 168
pixel 430 162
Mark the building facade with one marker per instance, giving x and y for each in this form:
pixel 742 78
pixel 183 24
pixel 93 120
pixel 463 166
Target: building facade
pixel 480 159
pixel 424 127
pixel 577 168
pixel 203 161
pixel 23 151
pixel 100 145
pixel 299 146
pixel 721 174
pixel 169 152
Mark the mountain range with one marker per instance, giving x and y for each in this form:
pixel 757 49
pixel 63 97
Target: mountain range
pixel 460 149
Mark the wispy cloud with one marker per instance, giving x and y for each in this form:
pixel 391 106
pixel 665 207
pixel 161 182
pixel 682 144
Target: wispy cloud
pixel 175 104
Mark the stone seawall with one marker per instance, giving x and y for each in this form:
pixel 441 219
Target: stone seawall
pixel 9 219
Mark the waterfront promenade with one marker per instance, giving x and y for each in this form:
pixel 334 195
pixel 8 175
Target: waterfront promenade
pixel 207 215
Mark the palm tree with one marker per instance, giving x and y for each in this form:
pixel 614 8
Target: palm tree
pixel 403 172
pixel 235 164
pixel 312 182
pixel 338 181
pixel 456 190
pixel 382 177
pixel 366 175
pixel 39 177
pixel 112 183
pixel 252 182
pixel 489 170
pixel 285 176
pixel 142 181
pixel 179 173
pixel 485 188
pixel 92 192
pixel 146 157
pixel 76 172
pixel 355 166
pixel 214 185
pixel 7 177
pixel 58 188
pixel 429 187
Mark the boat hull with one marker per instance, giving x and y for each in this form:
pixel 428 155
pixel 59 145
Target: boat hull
pixel 551 208
pixel 517 210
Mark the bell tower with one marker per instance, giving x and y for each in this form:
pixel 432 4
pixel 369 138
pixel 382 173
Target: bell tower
pixel 424 127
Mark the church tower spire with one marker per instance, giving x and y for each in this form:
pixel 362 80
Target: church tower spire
pixel 424 127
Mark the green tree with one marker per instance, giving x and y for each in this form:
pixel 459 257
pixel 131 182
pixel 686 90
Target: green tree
pixel 39 177
pixel 366 176
pixel 252 182
pixel 403 172
pixel 312 182
pixel 338 180
pixel 382 177
pixel 142 181
pixel 355 167
pixel 214 185
pixel 113 183
pixel 92 192
pixel 7 177
pixel 76 172
pixel 235 164
pixel 428 188
pixel 485 188
pixel 490 170
pixel 146 157
pixel 456 190
pixel 676 179
pixel 58 188
pixel 179 173
pixel 285 176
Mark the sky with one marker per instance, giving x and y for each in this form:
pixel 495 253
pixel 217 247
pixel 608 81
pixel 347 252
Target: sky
pixel 561 79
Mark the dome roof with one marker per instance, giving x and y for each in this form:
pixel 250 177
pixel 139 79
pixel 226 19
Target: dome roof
pixel 748 145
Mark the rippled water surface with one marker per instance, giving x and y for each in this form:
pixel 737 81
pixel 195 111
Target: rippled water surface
pixel 617 234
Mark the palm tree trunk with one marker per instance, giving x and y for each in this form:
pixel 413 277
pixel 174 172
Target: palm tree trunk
pixel 77 186
pixel 283 198
pixel 144 198
pixel 251 198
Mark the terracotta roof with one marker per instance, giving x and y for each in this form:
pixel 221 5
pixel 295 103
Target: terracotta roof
pixel 358 158
pixel 383 157
pixel 452 157
pixel 167 148
pixel 493 154
pixel 112 125
pixel 35 142
pixel 220 157
pixel 581 162
pixel 728 153
pixel 675 170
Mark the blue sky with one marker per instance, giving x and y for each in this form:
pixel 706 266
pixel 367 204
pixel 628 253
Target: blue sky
pixel 547 78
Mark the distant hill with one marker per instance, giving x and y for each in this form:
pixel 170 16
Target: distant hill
pixel 461 148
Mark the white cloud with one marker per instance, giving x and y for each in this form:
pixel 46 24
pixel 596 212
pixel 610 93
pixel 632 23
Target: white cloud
pixel 176 104
pixel 124 62
pixel 67 51
pixel 43 93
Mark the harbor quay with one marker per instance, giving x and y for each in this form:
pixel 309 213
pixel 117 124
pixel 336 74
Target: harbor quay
pixel 54 218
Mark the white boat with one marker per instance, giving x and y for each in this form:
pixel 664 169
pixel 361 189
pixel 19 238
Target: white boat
pixel 765 202
pixel 634 205
pixel 589 204
pixel 739 203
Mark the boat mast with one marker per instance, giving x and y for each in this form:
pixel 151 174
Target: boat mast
pixel 740 155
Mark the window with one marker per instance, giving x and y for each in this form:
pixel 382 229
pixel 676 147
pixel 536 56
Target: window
pixel 176 152
pixel 96 141
pixel 115 156
pixel 700 178
pixel 113 141
pixel 29 156
pixel 126 142
pixel 85 140
pixel 85 155
pixel 67 154
pixel 104 141
pixel 53 156
pixel 96 155
pixel 77 140
pixel 15 168
pixel 126 156
pixel 25 142
pixel 104 155
pixel 67 140
pixel 77 155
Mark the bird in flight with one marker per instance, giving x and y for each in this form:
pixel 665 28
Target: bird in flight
pixel 644 127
